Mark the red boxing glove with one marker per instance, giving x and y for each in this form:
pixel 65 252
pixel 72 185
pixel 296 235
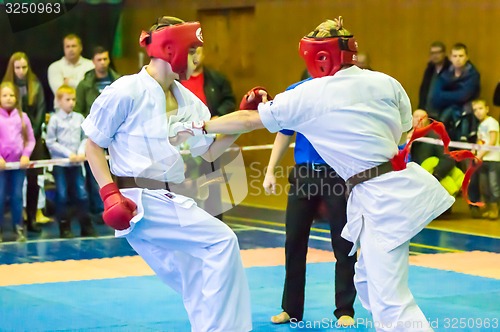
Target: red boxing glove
pixel 118 210
pixel 252 104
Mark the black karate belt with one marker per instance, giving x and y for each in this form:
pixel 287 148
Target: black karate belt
pixel 186 188
pixel 130 182
pixel 366 175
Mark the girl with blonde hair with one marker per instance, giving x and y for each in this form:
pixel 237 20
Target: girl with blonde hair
pixel 16 145
pixel 31 102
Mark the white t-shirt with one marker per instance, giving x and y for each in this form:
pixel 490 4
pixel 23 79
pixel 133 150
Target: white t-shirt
pixel 483 137
pixel 355 120
pixel 61 69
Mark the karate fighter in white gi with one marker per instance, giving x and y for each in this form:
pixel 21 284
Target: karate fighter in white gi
pixel 190 250
pixel 355 119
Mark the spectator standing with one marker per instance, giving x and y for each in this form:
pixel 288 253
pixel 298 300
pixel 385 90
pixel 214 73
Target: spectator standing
pixel 453 92
pixel 32 102
pixel 16 145
pixel 93 83
pixel 71 68
pixel 438 62
pixel 489 172
pixel 215 91
pixel 65 139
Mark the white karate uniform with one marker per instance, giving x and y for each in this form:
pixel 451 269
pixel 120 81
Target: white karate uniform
pixel 355 120
pixel 190 250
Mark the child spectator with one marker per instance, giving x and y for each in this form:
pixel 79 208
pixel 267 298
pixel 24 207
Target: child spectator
pixel 490 169
pixel 31 102
pixel 65 139
pixel 16 144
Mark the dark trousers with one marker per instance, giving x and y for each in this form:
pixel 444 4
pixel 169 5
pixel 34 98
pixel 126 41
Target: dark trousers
pixel 32 194
pixel 96 205
pixel 474 192
pixel 308 189
pixel 70 190
pixel 489 184
pixel 11 185
pixel 33 189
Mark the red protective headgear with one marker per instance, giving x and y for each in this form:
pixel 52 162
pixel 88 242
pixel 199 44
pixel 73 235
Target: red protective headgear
pixel 172 43
pixel 325 56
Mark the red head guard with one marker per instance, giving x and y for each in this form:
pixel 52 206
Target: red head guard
pixel 325 56
pixel 171 43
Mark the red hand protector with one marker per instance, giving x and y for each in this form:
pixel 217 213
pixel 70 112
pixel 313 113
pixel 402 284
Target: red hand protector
pixel 473 166
pixel 252 104
pixel 399 160
pixel 118 210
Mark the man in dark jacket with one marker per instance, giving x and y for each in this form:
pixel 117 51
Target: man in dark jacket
pixel 87 91
pixel 95 81
pixel 453 92
pixel 438 62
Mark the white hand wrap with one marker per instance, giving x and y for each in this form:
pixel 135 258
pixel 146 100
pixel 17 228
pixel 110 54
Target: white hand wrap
pixel 195 128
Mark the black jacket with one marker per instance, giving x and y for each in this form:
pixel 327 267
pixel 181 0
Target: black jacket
pixel 456 91
pixel 218 91
pixel 426 82
pixel 87 91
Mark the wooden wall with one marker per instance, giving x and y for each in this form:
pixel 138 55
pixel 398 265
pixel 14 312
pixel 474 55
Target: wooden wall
pixel 395 33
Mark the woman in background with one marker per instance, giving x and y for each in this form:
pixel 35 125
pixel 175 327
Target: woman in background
pixel 31 102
